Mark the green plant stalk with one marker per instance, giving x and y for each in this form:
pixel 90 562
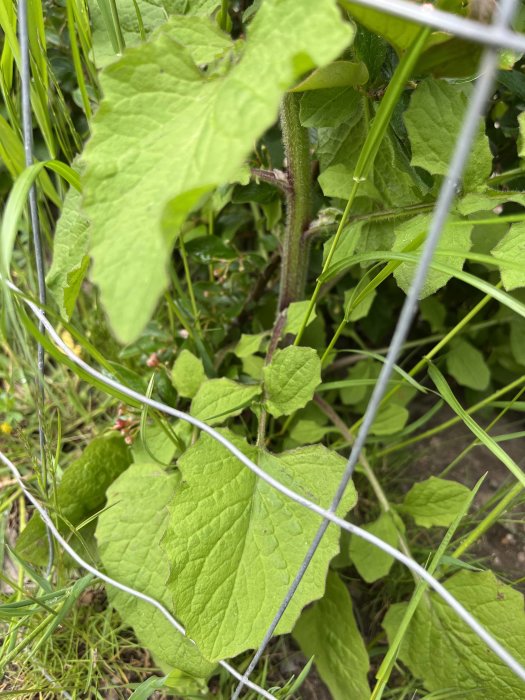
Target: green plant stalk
pixel 224 15
pixel 446 393
pixel 298 202
pixel 189 283
pixel 76 59
pixel 447 424
pixel 369 288
pixel 476 442
pixel 370 148
pixel 272 347
pixel 383 674
pixel 29 638
pixel 116 23
pixel 504 177
pixel 488 521
pixel 439 346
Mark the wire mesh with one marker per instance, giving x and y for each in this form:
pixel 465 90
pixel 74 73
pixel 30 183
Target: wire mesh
pixel 494 37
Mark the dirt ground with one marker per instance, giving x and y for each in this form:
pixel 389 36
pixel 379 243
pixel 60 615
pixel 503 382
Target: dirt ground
pixel 503 546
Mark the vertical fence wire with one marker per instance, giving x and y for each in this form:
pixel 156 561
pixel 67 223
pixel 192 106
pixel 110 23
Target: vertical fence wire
pixel 27 131
pixel 494 37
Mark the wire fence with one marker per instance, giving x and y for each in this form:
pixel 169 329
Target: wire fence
pixel 495 37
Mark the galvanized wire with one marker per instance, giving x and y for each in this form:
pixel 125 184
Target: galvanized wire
pixel 477 103
pixel 427 14
pixel 27 129
pixel 410 563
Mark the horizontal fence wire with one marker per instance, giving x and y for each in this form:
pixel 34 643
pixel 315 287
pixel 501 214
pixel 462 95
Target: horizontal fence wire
pixel 495 37
pixel 410 563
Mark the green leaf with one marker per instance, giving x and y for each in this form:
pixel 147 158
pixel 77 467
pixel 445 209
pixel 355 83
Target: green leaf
pixel 372 49
pixel 455 58
pixel 467 365
pixel 441 650
pixel 454 237
pixel 355 312
pixel 306 432
pixel 70 249
pixel 17 201
pixel 146 689
pixel 295 314
pixel 291 379
pixel 195 8
pixel 435 502
pixel 328 107
pixel 334 75
pixel 434 313
pixel 391 419
pixel 433 119
pixel 186 685
pixel 187 374
pixel 443 55
pixel 145 169
pixel 398 32
pixel 190 31
pixel 130 550
pixel 392 181
pixel 235 543
pixel 370 561
pixel 154 445
pixel 512 247
pixel 249 344
pixel 80 494
pixel 363 370
pixel 328 631
pixel 487 200
pixel 219 399
pixel 253 367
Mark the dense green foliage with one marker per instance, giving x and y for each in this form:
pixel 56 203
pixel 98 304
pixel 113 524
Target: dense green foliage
pixel 256 184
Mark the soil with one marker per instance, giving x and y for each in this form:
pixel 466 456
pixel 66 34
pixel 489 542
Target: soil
pixel 502 548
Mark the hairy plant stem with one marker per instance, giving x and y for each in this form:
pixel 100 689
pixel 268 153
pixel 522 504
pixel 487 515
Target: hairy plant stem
pixel 272 347
pixel 294 258
pixel 298 202
pixel 370 149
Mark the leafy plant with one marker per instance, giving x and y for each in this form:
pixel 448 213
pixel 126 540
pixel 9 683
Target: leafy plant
pixel 256 185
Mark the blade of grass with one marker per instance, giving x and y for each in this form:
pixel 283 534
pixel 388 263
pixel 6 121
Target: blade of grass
pixel 447 394
pixel 387 665
pixel 16 204
pixel 487 401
